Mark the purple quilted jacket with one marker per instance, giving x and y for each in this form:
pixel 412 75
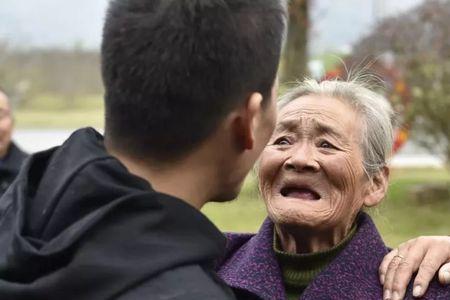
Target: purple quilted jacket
pixel 251 269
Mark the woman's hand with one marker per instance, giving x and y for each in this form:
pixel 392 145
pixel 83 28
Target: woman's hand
pixel 428 254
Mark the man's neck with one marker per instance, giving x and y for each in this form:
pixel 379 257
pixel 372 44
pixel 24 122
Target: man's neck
pixel 186 180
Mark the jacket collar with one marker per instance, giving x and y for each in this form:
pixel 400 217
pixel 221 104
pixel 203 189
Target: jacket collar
pixel 254 267
pixel 353 274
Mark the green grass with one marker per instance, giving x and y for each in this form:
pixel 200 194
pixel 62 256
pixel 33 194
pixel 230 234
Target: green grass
pixel 59 119
pixel 48 111
pixel 401 217
pixel 245 214
pixel 48 102
pixel 398 218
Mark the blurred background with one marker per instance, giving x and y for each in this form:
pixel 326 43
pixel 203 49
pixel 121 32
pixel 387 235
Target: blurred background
pixel 49 67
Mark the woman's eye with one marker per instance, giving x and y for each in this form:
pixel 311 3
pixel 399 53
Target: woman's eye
pixel 326 144
pixel 281 141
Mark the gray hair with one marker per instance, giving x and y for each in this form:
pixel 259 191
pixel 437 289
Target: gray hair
pixel 377 115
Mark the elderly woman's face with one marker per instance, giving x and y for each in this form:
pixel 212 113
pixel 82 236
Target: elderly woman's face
pixel 311 172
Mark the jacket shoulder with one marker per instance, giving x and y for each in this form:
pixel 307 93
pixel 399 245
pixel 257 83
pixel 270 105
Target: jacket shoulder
pixel 186 282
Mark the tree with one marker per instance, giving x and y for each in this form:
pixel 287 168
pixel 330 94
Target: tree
pixel 419 41
pixel 296 55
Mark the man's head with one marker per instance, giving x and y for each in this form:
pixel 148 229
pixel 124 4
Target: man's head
pixel 174 69
pixel 6 124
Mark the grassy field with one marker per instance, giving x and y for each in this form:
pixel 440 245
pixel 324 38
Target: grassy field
pixel 50 112
pixel 398 218
pixel 61 119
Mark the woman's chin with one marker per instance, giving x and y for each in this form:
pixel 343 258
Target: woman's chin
pixel 300 206
pixel 304 219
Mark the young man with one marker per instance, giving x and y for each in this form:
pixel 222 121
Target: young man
pixel 190 88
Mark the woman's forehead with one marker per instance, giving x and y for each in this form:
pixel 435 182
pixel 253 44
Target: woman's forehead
pixel 319 115
pixel 315 106
pixel 319 126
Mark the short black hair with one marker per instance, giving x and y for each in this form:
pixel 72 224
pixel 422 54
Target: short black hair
pixel 172 69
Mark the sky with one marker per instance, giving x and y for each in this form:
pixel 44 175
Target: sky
pixel 336 24
pixel 52 23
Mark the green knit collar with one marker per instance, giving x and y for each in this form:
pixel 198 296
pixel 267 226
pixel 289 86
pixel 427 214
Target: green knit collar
pixel 300 269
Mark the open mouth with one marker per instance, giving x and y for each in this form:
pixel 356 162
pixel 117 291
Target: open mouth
pixel 305 193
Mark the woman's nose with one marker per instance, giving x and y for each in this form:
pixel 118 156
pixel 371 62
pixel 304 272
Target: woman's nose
pixel 302 159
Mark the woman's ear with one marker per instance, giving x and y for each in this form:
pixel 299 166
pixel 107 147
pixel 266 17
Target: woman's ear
pixel 377 188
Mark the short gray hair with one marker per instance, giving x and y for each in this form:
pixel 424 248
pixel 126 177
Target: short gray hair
pixel 377 115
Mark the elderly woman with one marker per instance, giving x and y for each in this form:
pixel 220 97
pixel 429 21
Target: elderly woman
pixel 325 163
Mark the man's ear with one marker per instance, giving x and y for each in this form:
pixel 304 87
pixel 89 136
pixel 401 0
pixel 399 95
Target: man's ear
pixel 377 188
pixel 246 122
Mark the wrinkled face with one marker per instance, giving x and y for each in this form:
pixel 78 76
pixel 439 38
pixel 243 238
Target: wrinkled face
pixel 311 172
pixel 6 125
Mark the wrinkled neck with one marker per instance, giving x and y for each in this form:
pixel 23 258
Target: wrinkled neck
pixel 293 239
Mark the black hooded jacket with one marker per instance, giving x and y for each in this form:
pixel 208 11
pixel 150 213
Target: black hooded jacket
pixel 77 225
